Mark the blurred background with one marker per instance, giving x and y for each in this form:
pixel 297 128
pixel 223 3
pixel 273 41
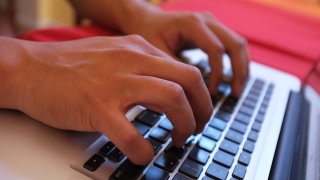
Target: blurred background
pixel 17 16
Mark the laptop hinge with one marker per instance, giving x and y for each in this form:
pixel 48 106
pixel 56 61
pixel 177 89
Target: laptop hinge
pixel 291 152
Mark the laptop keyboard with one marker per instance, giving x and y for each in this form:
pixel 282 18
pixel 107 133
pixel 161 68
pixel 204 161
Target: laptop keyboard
pixel 222 150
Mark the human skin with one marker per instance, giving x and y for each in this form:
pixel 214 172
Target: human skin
pixel 173 31
pixel 89 84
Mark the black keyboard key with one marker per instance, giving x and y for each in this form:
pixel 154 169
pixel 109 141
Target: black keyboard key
pixel 249 103
pixel 265 103
pixel 217 97
pixel 177 152
pixel 246 110
pixel 217 172
pixel 127 170
pixel 234 136
pixel 212 133
pixel 252 97
pixel 159 134
pixel 229 147
pixel 155 145
pixel 244 158
pixel 271 86
pixel 148 117
pixel 258 82
pixel 256 126
pixel 231 100
pixel 189 141
pixel 191 169
pixel 218 123
pixel 233 178
pixel 243 118
pixel 94 162
pixel 116 155
pixel 166 124
pixel 253 136
pixel 239 127
pixel 206 178
pixel 154 173
pixel 260 118
pixel 257 88
pixel 199 155
pixel 229 104
pixel 106 149
pixel 179 176
pixel 206 144
pixel 255 91
pixel 239 171
pixel 267 97
pixel 223 158
pixel 166 162
pixel 263 110
pixel 225 116
pixel 143 129
pixel 249 146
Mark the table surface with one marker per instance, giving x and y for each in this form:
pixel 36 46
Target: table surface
pixel 31 150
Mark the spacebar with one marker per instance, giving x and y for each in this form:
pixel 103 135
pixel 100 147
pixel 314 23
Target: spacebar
pixel 127 170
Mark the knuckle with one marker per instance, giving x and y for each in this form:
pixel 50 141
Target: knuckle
pixel 219 49
pixel 175 92
pixel 135 38
pixel 194 74
pixel 194 17
pixel 240 43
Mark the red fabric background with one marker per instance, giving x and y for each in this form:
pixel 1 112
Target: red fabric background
pixel 276 38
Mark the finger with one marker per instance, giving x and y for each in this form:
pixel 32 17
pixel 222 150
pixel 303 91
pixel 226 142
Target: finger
pixel 142 45
pixel 165 96
pixel 202 37
pixel 236 47
pixel 189 78
pixel 121 132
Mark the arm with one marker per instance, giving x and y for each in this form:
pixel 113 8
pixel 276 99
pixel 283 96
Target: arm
pixel 173 31
pixel 114 14
pixel 11 60
pixel 89 84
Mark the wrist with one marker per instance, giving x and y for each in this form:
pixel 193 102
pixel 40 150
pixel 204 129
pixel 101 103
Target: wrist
pixel 134 13
pixel 13 55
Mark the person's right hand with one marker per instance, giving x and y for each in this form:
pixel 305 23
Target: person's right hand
pixel 89 84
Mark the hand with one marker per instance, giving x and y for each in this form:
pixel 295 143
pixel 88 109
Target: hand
pixel 174 31
pixel 89 84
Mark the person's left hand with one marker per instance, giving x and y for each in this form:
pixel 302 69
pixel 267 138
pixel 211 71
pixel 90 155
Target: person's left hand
pixel 175 31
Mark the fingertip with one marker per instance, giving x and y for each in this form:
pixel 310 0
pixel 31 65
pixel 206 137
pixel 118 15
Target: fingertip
pixel 212 86
pixel 237 88
pixel 128 139
pixel 178 139
pixel 198 130
pixel 144 156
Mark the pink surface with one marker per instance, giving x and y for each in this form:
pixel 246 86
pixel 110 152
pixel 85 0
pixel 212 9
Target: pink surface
pixel 63 34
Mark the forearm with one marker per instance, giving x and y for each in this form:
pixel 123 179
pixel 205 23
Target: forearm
pixel 115 14
pixel 11 58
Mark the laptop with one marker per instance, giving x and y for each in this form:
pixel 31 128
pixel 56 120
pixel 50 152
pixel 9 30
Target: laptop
pixel 262 135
